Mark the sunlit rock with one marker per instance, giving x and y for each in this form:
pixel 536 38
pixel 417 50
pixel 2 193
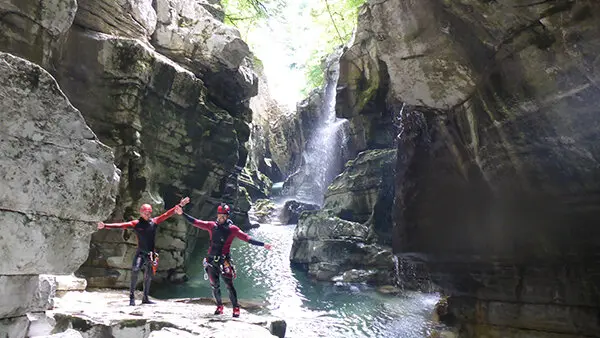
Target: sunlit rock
pixel 109 312
pixel 57 179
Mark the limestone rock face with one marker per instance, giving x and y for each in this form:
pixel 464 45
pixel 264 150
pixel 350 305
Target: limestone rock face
pixel 57 179
pixel 188 33
pixel 497 173
pixel 166 135
pixel 35 29
pixel 363 85
pixel 256 183
pixel 276 141
pixel 364 192
pixel 211 42
pixel 128 18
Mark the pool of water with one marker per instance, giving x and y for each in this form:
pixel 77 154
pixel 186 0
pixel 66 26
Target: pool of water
pixel 311 309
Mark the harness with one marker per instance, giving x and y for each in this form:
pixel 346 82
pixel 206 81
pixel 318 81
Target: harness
pixel 215 258
pixel 223 263
pixel 153 256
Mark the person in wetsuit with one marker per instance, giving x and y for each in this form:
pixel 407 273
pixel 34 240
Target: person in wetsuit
pixel 218 262
pixel 145 230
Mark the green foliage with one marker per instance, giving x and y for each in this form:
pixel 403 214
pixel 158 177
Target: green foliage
pixel 308 30
pixel 336 20
pixel 245 14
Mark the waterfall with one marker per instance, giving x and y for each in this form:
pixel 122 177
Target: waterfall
pixel 323 154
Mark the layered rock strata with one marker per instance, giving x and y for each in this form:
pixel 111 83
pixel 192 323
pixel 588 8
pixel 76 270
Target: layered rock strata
pixel 57 180
pixel 497 171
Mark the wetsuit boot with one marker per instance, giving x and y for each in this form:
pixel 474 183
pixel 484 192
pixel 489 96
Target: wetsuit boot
pixel 219 310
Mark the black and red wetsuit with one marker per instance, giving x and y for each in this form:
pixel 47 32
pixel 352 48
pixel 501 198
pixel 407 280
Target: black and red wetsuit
pixel 219 259
pixel 145 231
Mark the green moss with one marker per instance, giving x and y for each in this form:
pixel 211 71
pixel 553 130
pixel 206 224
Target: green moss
pixel 365 96
pixel 125 323
pixel 263 207
pixel 186 22
pixel 157 326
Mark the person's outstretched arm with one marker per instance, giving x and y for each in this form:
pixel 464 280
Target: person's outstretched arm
pixel 124 225
pixel 246 238
pixel 204 225
pixel 170 212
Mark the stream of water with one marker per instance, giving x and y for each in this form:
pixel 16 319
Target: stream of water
pixel 311 309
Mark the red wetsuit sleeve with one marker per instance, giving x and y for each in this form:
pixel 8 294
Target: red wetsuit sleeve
pixel 123 225
pixel 163 217
pixel 240 234
pixel 204 225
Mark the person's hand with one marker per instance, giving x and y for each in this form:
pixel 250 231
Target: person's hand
pixel 100 225
pixel 184 201
pixel 268 246
pixel 178 210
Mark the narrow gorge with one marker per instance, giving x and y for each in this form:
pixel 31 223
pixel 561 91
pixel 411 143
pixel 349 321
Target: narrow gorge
pixel 437 178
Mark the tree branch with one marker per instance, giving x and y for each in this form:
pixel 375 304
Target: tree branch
pixel 333 22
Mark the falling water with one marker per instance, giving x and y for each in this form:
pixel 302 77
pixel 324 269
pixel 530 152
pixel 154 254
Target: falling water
pixel 322 157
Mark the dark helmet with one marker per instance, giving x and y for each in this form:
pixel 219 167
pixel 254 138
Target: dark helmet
pixel 223 209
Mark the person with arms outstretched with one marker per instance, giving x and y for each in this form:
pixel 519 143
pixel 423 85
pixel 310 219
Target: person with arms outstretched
pixel 218 262
pixel 145 255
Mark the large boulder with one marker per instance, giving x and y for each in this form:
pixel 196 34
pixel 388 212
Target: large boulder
pixel 497 172
pixel 330 248
pixel 57 180
pixel 25 293
pixel 355 220
pixel 35 30
pixel 293 209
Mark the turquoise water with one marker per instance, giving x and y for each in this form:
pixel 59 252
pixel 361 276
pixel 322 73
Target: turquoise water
pixel 311 309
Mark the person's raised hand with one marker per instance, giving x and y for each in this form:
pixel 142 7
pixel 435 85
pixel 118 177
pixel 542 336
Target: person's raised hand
pixel 184 201
pixel 101 225
pixel 178 210
pixel 268 246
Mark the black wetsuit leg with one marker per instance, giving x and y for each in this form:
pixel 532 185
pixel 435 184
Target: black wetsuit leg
pixel 213 276
pixel 147 279
pixel 140 262
pixel 232 292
